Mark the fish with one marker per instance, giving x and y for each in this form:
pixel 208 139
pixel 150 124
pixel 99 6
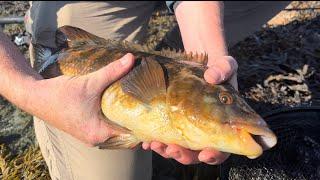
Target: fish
pixel 163 98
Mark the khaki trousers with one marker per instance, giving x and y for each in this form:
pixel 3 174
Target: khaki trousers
pixel 66 157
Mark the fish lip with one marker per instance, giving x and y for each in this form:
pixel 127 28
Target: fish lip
pixel 260 133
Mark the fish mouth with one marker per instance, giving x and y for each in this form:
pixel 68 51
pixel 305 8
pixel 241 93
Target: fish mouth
pixel 260 133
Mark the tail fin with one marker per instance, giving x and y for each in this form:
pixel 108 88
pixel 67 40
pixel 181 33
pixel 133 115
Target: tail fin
pixel 43 57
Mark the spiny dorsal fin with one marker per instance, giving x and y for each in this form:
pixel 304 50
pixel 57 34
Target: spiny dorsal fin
pixel 73 36
pixel 145 81
pixel 201 58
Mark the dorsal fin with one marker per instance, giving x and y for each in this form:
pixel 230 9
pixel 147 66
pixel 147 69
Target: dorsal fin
pixel 73 36
pixel 68 36
pixel 201 58
pixel 145 81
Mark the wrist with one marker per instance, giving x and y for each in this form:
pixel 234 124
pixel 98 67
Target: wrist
pixel 45 102
pixel 201 27
pixel 27 95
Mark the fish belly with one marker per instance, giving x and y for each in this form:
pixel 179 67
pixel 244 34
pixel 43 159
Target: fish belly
pixel 147 122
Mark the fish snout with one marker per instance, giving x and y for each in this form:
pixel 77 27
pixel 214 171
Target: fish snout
pixel 260 133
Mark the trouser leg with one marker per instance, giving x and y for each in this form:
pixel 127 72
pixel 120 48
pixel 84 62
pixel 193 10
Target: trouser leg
pixel 240 20
pixel 66 157
pixel 244 18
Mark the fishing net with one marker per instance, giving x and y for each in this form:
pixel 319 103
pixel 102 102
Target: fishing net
pixel 296 156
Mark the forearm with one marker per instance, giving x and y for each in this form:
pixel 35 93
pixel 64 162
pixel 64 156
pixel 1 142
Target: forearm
pixel 201 26
pixel 17 78
pixel 25 88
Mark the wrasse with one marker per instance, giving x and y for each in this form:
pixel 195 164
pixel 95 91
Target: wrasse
pixel 163 98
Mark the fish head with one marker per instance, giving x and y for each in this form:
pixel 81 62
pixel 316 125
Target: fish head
pixel 220 113
pixel 253 133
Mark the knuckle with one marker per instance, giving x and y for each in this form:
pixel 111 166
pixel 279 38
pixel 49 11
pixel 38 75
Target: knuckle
pixel 110 72
pixel 114 70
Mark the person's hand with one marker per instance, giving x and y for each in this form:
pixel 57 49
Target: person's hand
pixel 75 104
pixel 221 69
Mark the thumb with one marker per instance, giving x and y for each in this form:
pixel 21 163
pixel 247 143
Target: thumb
pixel 112 72
pixel 220 70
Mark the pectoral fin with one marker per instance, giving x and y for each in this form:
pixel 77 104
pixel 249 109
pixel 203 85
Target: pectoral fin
pixel 145 81
pixel 121 141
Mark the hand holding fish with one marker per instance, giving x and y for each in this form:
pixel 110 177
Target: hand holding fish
pixel 204 36
pixel 164 98
pixel 80 114
pixel 223 69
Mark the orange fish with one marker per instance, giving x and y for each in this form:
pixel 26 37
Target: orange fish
pixel 163 98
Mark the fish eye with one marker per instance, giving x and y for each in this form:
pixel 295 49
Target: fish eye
pixel 225 98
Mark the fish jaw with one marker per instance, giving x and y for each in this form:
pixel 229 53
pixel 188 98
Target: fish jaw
pixel 255 138
pixel 235 137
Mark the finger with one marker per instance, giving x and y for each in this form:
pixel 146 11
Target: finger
pixel 112 71
pixel 213 75
pixel 173 151
pixel 221 70
pixel 212 157
pixel 234 81
pixel 146 146
pixel 117 69
pixel 159 148
pixel 182 155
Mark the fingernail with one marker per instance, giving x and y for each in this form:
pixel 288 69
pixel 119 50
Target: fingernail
pixel 124 60
pixel 146 146
pixel 212 161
